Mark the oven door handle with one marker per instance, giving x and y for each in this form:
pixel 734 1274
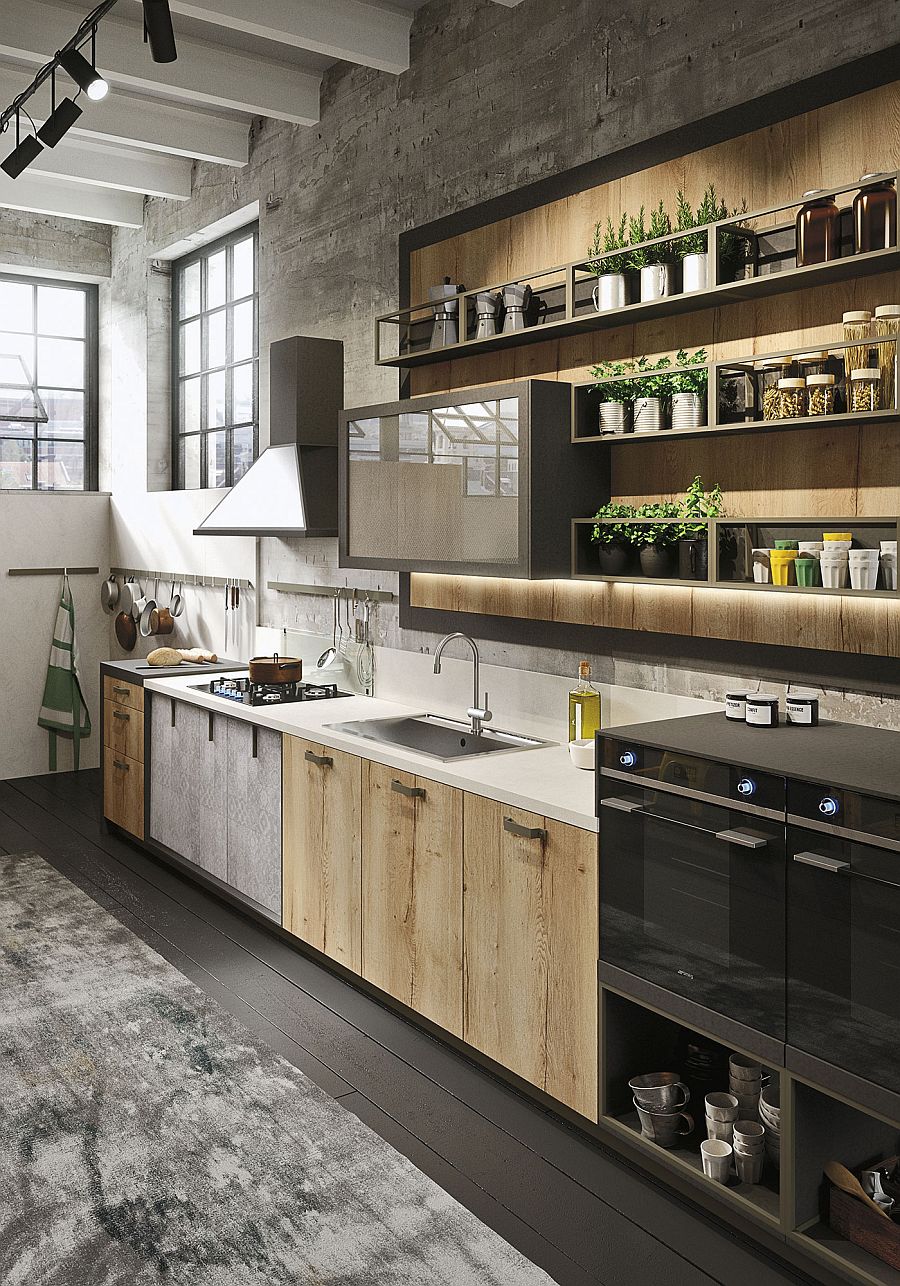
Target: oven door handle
pixel 632 807
pixel 831 864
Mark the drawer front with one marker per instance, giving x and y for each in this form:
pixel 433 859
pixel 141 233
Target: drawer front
pixel 123 694
pixel 123 730
pixel 123 792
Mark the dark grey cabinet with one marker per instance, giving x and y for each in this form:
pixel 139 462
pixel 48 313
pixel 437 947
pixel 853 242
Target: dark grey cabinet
pixel 478 482
pixel 215 797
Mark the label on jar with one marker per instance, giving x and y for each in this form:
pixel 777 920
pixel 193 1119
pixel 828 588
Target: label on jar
pixel 762 712
pixel 736 705
pixel 803 710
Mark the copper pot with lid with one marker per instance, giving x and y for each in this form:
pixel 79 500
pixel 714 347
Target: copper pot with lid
pixel 275 669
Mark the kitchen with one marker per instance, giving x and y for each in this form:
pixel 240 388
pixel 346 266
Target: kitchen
pixel 341 440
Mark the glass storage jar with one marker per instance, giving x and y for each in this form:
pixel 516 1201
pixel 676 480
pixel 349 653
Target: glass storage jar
pixel 858 334
pixel 865 389
pixel 820 394
pixel 887 322
pixel 818 229
pixel 811 363
pixel 791 399
pixel 875 214
pixel 768 374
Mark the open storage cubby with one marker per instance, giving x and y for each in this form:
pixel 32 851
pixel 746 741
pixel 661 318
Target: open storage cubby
pixel 827 1128
pixel 637 1040
pixel 564 304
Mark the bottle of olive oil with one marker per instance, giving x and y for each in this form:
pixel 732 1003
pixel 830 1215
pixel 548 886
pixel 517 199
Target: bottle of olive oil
pixel 584 706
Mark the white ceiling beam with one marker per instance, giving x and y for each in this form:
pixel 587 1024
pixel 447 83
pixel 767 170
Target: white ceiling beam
pixel 143 122
pixel 211 75
pixel 353 30
pixel 71 200
pixel 125 169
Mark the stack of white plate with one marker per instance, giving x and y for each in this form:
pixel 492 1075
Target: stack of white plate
pixel 770 1115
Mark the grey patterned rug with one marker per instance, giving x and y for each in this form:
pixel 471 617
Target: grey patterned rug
pixel 145 1138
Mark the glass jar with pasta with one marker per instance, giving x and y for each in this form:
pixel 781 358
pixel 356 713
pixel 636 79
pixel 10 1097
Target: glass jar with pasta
pixel 791 399
pixel 768 373
pixel 887 322
pixel 865 389
pixel 820 394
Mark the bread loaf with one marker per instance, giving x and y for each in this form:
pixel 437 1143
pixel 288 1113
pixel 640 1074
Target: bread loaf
pixel 196 655
pixel 165 656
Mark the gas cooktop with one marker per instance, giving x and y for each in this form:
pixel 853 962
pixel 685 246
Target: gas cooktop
pixel 244 692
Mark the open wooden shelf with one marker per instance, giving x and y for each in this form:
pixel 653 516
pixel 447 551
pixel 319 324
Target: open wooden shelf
pixel 747 427
pixel 843 1254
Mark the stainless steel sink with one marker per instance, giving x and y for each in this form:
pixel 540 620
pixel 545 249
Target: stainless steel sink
pixel 438 737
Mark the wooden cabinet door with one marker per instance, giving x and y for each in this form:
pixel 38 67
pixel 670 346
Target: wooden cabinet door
pixel 322 852
pixel 123 791
pixel 531 919
pixel 251 803
pixel 412 892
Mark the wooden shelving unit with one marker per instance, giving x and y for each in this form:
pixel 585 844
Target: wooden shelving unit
pixel 566 290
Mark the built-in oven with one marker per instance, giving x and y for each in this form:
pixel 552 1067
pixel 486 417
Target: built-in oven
pixel 692 881
pixel 844 929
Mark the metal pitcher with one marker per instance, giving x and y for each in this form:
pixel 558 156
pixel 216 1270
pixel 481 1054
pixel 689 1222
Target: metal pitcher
pixel 516 302
pixel 446 312
pixel 487 306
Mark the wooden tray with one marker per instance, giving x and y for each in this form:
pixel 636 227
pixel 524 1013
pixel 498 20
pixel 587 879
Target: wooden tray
pixel 854 1220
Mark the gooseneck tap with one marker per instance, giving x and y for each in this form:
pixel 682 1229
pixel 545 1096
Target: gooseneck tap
pixel 479 714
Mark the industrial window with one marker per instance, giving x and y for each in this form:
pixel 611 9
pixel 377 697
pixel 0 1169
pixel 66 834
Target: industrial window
pixel 215 333
pixel 48 385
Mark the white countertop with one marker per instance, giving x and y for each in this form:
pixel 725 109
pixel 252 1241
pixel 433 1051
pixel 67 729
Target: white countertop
pixel 540 781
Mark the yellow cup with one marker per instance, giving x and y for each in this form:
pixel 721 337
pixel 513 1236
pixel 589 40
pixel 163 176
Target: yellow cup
pixel 782 563
pixel 837 535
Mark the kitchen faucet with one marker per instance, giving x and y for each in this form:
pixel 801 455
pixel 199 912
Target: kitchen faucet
pixel 479 714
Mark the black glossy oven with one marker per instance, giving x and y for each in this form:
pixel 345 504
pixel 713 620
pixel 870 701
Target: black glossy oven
pixel 692 890
pixel 844 929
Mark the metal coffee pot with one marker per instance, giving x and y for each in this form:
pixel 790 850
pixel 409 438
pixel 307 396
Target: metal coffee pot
pixel 487 306
pixel 516 302
pixel 446 312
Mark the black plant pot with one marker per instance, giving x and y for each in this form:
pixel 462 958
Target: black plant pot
pixel 614 557
pixel 693 559
pixel 657 560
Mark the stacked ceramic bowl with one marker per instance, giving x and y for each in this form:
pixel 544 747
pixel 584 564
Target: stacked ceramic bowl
pixel 770 1116
pixel 745 1083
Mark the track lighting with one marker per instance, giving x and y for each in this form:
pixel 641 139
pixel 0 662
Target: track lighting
pixel 84 75
pixel 158 31
pixel 26 150
pixel 61 119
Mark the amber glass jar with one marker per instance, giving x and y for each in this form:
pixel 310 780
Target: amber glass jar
pixel 818 229
pixel 875 214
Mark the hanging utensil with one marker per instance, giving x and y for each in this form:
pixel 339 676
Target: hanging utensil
pixel 177 605
pixel 328 656
pixel 109 594
pixel 126 631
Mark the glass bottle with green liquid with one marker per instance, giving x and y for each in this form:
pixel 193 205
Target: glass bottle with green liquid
pixel 584 706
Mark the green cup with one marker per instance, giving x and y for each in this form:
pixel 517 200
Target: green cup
pixel 807 570
pixel 787 544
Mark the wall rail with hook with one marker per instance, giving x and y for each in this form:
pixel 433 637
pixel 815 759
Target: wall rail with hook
pixel 327 591
pixel 194 579
pixel 53 571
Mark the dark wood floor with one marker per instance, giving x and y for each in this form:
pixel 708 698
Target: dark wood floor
pixel 576 1209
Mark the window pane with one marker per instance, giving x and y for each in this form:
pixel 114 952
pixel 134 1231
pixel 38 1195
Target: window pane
pixel 189 292
pixel 215 280
pixel 190 348
pixel 60 466
pixel 66 411
pixel 242 274
pixel 16 429
pixel 243 451
pixel 216 340
pixel 61 362
pixel 16 306
pixel 215 405
pixel 243 331
pixel 12 348
pixel 61 312
pixel 190 461
pixel 242 394
pixel 215 459
pixel 190 406
pixel 15 463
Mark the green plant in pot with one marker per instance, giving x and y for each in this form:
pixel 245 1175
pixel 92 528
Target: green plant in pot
pixel 650 393
pixel 693 247
pixel 693 531
pixel 616 395
pixel 656 540
pixel 611 290
pixel 655 264
pixel 688 389
pixel 613 537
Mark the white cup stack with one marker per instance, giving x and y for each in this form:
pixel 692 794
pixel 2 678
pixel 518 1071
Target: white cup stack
pixel 745 1083
pixel 749 1150
pixel 722 1110
pixel 770 1116
pixel 835 565
pixel 863 567
pixel 889 564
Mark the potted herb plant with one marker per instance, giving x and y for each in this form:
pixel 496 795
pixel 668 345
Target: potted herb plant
pixel 693 249
pixel 613 538
pixel 650 394
pixel 611 290
pixel 693 532
pixel 615 395
pixel 656 540
pixel 656 264
pixel 688 390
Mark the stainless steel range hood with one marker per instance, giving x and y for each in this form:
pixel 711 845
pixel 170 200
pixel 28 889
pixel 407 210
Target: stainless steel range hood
pixel 291 490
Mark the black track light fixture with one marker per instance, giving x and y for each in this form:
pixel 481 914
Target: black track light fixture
pixel 158 31
pixel 61 119
pixel 84 75
pixel 26 150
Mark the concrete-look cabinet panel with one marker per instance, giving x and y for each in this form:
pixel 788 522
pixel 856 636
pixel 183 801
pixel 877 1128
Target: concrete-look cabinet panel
pixel 187 783
pixel 253 812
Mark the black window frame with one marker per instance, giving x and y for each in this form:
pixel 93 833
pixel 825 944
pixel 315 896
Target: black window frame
pixel 179 266
pixel 91 387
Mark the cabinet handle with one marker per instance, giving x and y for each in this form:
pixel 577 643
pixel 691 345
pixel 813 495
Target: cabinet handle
pixel 120 714
pixel 254 752
pixel 123 691
pixel 210 727
pixel 324 761
pixel 830 864
pixel 742 838
pixel 411 792
pixel 117 763
pixel 523 832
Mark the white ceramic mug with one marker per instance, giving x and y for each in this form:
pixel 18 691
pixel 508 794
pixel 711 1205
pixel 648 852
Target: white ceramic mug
pixel 721 1107
pixel 749 1168
pixel 863 575
pixel 723 1130
pixel 742 1068
pixel 889 570
pixel 716 1156
pixel 811 548
pixel 762 568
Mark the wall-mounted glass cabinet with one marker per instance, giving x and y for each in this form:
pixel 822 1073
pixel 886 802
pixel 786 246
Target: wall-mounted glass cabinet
pixel 475 482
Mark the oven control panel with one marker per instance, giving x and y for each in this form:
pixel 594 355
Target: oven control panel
pixel 649 765
pixel 846 809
